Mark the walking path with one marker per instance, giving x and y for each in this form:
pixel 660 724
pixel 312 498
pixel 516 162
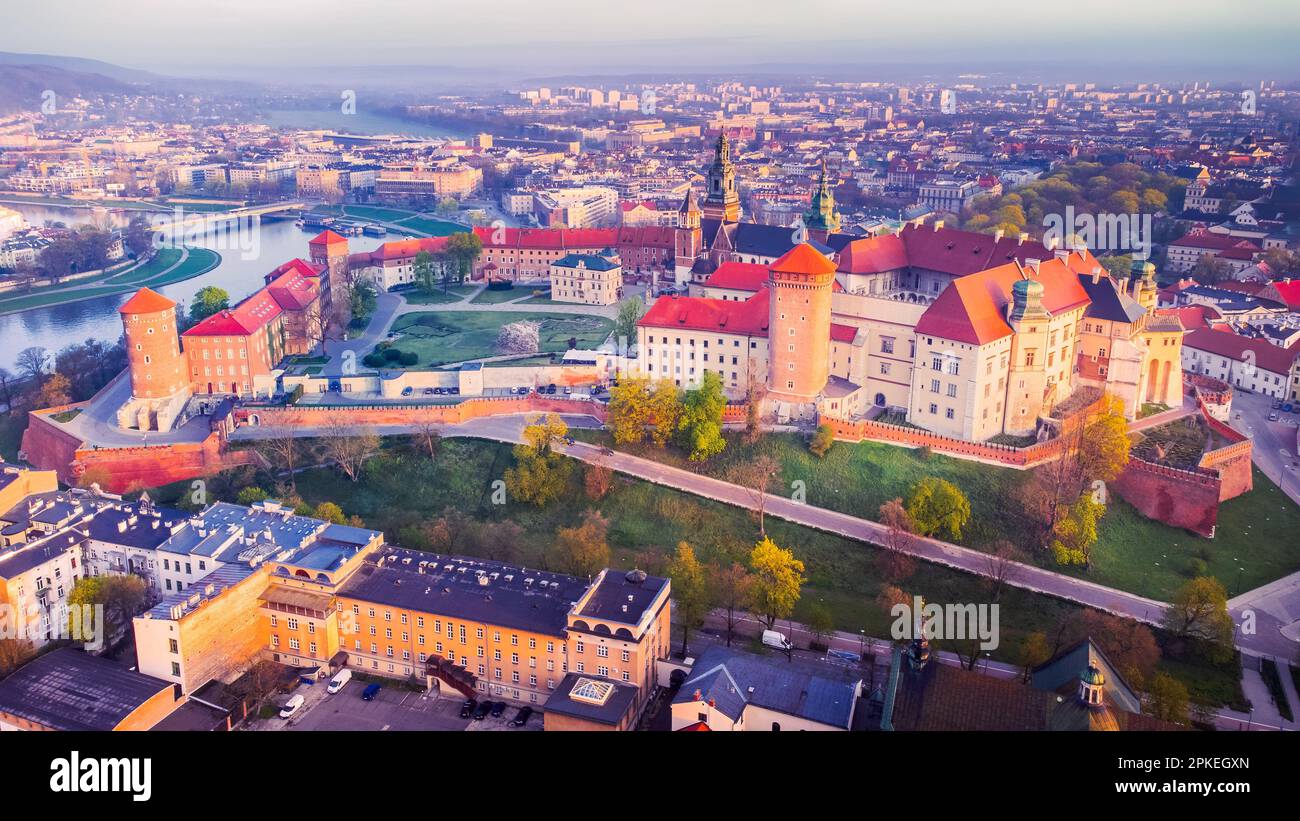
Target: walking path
pixel 1265 641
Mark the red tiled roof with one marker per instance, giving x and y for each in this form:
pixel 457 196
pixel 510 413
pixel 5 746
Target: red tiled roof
pixel 407 248
pixel 972 309
pixel 242 320
pixel 697 727
pixel 1289 290
pixel 327 237
pixel 146 301
pixel 738 276
pixel 843 333
pixel 1214 242
pixel 656 236
pixel 1193 316
pixel 301 266
pixel 874 255
pixel 547 238
pixel 804 259
pixel 1268 356
pixel 700 314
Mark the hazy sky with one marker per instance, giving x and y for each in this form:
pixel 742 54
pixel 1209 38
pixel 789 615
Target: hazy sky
pixel 555 37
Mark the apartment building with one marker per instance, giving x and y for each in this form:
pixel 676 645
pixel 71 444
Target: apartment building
pixel 586 279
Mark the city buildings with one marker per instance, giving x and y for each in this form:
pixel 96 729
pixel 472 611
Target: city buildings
pixel 587 279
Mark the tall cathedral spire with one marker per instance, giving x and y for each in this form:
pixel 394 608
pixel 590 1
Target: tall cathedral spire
pixel 722 202
pixel 822 218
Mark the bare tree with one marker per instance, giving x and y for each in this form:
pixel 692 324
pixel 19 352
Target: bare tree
pixel 730 589
pixel 756 476
pixel 427 433
pixel 349 447
pixel 1003 566
pixel 281 449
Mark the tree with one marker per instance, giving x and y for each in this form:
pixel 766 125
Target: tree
pixel 330 512
pixel 428 434
pixel 138 238
pixel 6 392
pixel 583 550
pixel 251 495
pixel 1076 531
pixel 730 586
pixel 820 624
pixel 14 653
pixel 756 477
pixel 699 423
pixel 280 447
pixel 821 441
pixel 938 506
pixel 32 362
pixel 1003 565
pixel 778 579
pixel 630 312
pixel 1210 270
pixel 690 591
pixel 890 596
pixel 423 272
pixel 349 447
pixel 56 391
pixel 1199 609
pixel 597 480
pixel 123 597
pixel 519 337
pixel 1167 699
pixel 540 475
pixel 639 407
pixel 1118 267
pixel 462 250
pixel 1034 650
pixel 207 301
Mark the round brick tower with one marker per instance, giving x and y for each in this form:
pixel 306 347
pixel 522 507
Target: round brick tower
pixel 799 325
pixel 153 351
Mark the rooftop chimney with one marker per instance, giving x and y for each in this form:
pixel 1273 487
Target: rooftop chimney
pixel 998 234
pixel 1023 238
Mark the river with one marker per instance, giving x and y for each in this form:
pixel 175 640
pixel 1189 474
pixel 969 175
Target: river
pixel 240 274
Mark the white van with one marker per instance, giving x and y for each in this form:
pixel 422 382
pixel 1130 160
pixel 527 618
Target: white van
pixel 772 638
pixel 292 705
pixel 341 678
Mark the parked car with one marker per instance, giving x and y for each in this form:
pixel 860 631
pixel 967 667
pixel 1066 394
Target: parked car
pixel 1272 417
pixel 521 717
pixel 437 391
pixel 567 390
pixel 481 711
pixel 340 679
pixel 370 692
pixel 498 707
pixel 407 391
pixel 292 706
pixel 467 709
pixel 569 440
pixel 454 391
pixel 1277 404
pixel 550 388
pixel 1287 407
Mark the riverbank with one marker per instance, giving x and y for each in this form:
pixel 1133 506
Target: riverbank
pixel 166 267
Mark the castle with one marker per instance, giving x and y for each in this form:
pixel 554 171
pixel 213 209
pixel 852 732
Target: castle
pixel 974 336
pixel 234 352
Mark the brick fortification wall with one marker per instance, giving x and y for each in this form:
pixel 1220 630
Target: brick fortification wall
pixel 49 447
pixel 1180 498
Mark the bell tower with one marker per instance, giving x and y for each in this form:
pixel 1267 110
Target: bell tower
pixel 822 219
pixel 688 239
pixel 722 202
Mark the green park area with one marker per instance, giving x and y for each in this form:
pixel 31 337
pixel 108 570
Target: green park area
pixel 431 226
pixel 160 270
pixel 440 337
pixel 420 503
pixel 1254 544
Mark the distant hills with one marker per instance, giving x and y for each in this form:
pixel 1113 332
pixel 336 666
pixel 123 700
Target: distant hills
pixel 79 65
pixel 22 87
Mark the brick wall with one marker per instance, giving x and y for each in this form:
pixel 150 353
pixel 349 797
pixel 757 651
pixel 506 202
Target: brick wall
pixel 863 429
pixel 1180 498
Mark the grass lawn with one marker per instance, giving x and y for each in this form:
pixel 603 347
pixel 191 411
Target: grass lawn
pixel 200 261
pixel 163 259
pixel 490 297
pixel 402 493
pixel 439 337
pixel 432 227
pixel 371 212
pixel 1254 543
pixel 455 293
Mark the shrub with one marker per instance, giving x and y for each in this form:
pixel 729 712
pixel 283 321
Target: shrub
pixel 392 354
pixel 409 358
pixel 821 441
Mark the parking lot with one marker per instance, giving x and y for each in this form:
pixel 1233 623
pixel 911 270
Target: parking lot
pixel 392 709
